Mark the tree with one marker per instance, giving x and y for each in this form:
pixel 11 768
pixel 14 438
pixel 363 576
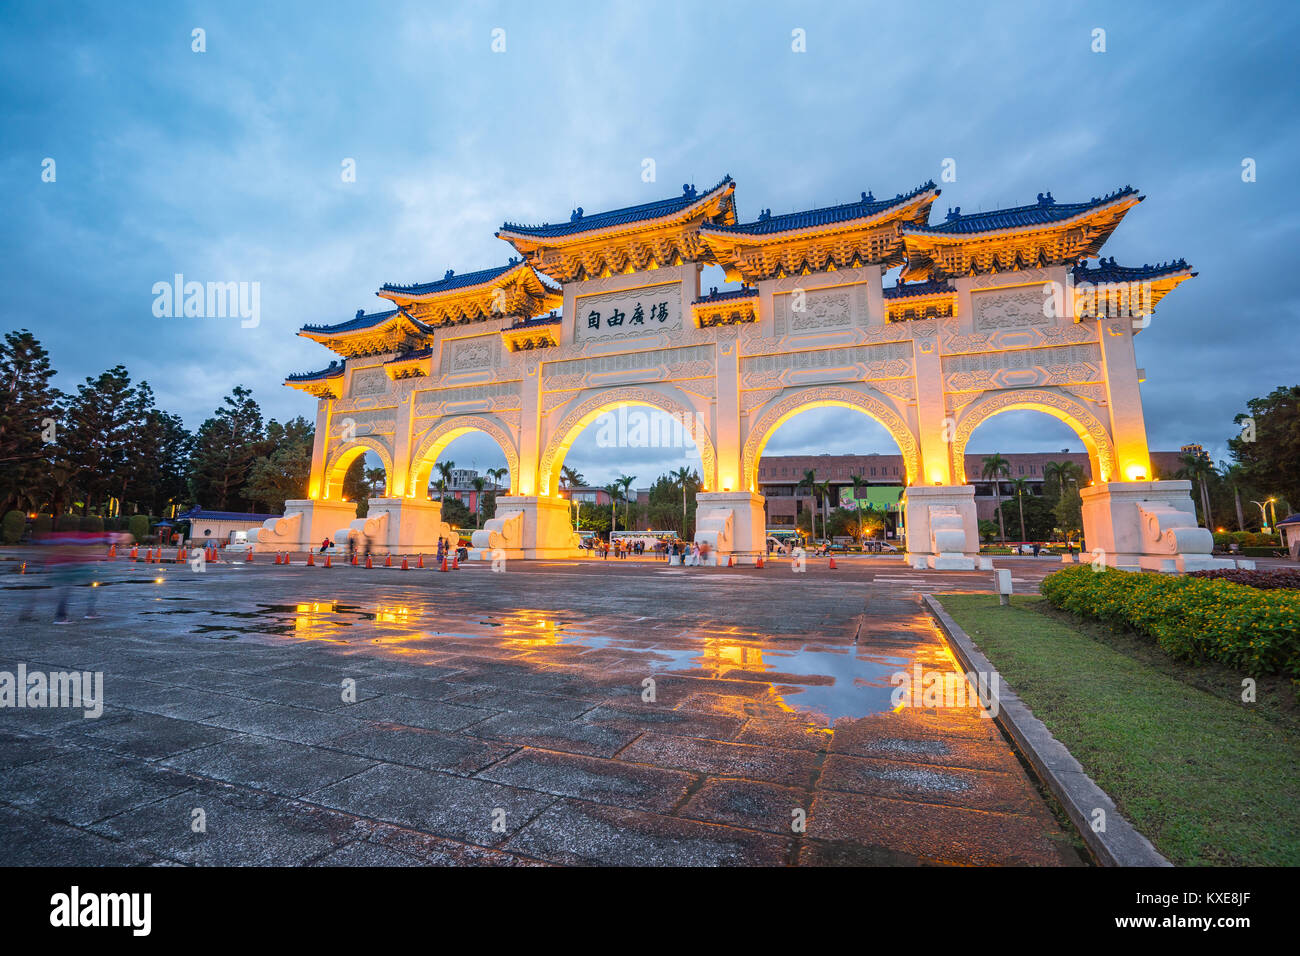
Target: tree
pixel 1069 511
pixel 1234 476
pixel 479 485
pixel 683 477
pixel 809 481
pixel 27 401
pixel 615 492
pixel 823 491
pixel 497 474
pixel 354 485
pixel 445 469
pixel 995 467
pixel 1268 448
pixel 285 472
pixel 1199 469
pixel 1021 487
pixel 625 481
pixel 224 449
pixel 859 483
pixel 571 478
pixel 1039 518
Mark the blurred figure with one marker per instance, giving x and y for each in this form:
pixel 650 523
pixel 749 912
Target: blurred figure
pixel 70 561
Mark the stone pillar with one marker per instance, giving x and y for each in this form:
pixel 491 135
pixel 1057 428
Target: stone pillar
pixel 529 481
pixel 726 428
pixel 1146 526
pixel 320 448
pixel 402 448
pixel 1124 401
pixel 942 528
pixel 732 523
pixel 533 526
pixel 931 412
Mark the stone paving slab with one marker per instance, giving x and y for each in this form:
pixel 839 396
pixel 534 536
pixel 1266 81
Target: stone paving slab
pixel 505 720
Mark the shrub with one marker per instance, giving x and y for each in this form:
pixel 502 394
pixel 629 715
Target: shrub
pixel 42 525
pixel 93 524
pixel 12 526
pixel 138 525
pixel 1264 580
pixel 1192 618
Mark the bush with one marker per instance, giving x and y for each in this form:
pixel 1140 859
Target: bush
pixel 12 527
pixel 93 524
pixel 42 525
pixel 138 525
pixel 1192 618
pixel 1264 580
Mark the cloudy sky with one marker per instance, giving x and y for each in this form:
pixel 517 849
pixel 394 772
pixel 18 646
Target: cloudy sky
pixel 225 165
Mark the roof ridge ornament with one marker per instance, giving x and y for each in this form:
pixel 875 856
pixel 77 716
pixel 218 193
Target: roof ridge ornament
pixel 575 215
pixel 688 190
pixel 868 196
pixel 1045 199
pixel 954 213
pixel 360 313
pixel 448 274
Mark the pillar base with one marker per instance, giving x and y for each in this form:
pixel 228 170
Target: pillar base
pixel 732 524
pixel 529 526
pixel 414 525
pixel 941 526
pixel 305 524
pixel 1146 526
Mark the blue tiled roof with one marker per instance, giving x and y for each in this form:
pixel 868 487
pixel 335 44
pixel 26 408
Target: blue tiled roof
pixel 747 292
pixel 352 325
pixel 196 512
pixel 910 290
pixel 411 356
pixel 1044 212
pixel 1108 271
pixel 549 319
pixel 1291 519
pixel 580 222
pixel 867 206
pixel 451 281
pixel 334 370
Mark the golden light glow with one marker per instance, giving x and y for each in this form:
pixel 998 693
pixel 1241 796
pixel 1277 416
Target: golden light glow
pixel 1136 473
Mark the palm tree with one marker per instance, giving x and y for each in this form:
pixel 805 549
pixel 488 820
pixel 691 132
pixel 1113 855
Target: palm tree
pixel 824 490
pixel 496 474
pixel 682 476
pixel 1022 488
pixel 441 485
pixel 375 478
pixel 571 478
pixel 809 481
pixel 858 484
pixel 995 467
pixel 444 469
pixel 1198 470
pixel 479 485
pixel 1233 475
pixel 615 491
pixel 626 482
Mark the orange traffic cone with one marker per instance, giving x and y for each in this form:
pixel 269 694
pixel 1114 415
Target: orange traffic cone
pixel 135 552
pixel 180 555
pixel 112 551
pixel 731 560
pixel 368 562
pixel 404 564
pixel 455 562
pixel 286 557
pixel 311 560
pixel 354 560
pixel 249 558
pixel 327 561
pixel 148 556
pixel 832 564
pixel 388 560
pixel 444 564
pixel 420 563
pixel 759 563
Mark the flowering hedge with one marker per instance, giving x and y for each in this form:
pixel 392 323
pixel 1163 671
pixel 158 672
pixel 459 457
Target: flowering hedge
pixel 1193 619
pixel 1265 579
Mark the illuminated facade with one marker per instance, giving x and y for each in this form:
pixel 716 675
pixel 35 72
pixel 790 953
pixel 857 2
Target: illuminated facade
pixel 993 311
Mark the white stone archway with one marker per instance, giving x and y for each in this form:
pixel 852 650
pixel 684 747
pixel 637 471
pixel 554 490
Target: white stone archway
pixel 343 456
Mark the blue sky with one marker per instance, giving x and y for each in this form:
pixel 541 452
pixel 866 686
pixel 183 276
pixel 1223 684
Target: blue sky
pixel 225 165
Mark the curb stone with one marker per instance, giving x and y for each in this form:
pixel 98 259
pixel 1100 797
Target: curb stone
pixel 1120 844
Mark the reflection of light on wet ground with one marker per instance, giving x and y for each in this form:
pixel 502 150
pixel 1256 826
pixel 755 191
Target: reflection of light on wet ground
pixel 821 680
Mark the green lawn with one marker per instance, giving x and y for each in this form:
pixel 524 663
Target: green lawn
pixel 1208 779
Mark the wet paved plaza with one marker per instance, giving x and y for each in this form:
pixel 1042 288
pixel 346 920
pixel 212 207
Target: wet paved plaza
pixel 558 713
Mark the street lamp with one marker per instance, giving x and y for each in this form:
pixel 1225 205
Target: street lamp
pixel 1263 510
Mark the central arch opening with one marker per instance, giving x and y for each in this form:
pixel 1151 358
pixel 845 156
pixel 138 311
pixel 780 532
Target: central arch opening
pixel 466 467
pixel 630 471
pixel 830 471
